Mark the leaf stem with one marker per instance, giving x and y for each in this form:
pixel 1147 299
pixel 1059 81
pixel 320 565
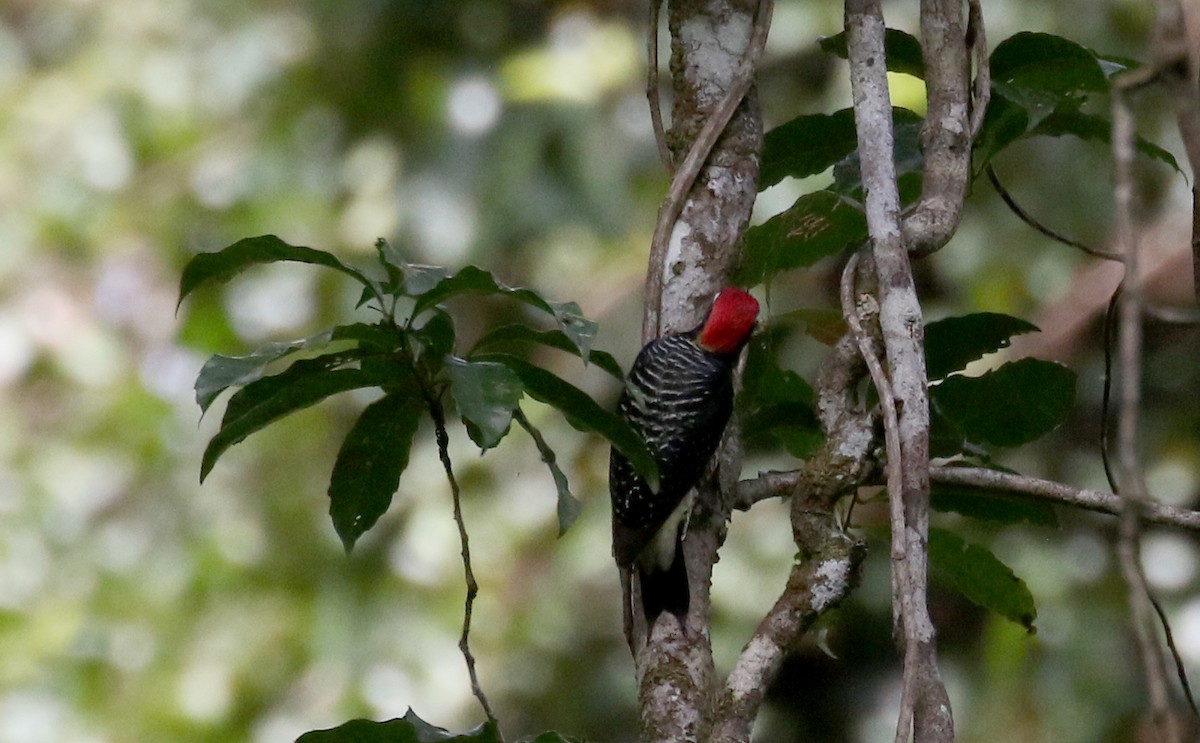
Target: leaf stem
pixel 438 414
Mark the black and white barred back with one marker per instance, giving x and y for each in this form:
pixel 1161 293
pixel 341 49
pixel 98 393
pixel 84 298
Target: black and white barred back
pixel 678 397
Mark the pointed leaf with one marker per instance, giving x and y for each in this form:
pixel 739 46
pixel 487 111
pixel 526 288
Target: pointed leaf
pixel 569 506
pixel 991 505
pixel 410 729
pixel 813 143
pixel 517 333
pixel 819 224
pixel 224 264
pixel 979 576
pixel 806 145
pixel 903 51
pixel 486 394
pixel 221 372
pixel 270 399
pixel 581 411
pixel 1046 64
pixel 420 280
pixel 953 343
pixel 370 461
pixel 475 280
pixel 1042 73
pixel 1009 406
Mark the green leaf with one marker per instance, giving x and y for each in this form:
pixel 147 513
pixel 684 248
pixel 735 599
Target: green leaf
pixel 224 264
pixel 1040 64
pixel 813 143
pixel 221 372
pixel 433 342
pixel 903 51
pixel 410 729
pixel 391 262
pixel 991 505
pixel 819 224
pixel 1089 127
pixel 486 394
pixel 569 506
pixel 475 280
pixel 777 403
pixel 262 402
pixel 1041 73
pixel 954 342
pixel 369 463
pixel 516 333
pixel 420 279
pixel 1009 406
pixel 979 576
pixel 806 145
pixel 582 412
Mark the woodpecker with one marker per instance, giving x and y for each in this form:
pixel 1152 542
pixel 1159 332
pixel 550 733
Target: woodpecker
pixel 678 397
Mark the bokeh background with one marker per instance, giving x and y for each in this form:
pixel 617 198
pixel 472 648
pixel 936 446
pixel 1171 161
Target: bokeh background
pixel 136 605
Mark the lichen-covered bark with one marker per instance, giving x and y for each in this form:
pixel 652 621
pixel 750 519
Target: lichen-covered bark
pixel 708 41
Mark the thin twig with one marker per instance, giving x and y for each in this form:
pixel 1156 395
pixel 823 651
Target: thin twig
pixel 1062 494
pixel 1032 221
pixel 895 484
pixel 1110 334
pixel 900 316
pixel 652 92
pixel 685 176
pixel 438 415
pixel 1130 350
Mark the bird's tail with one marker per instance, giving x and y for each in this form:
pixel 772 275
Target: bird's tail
pixel 665 590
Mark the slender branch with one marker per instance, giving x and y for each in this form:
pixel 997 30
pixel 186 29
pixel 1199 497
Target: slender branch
pixel 946 133
pixel 900 316
pixel 1132 481
pixel 829 560
pixel 438 414
pixel 1033 222
pixel 817 583
pixel 1062 494
pixel 902 598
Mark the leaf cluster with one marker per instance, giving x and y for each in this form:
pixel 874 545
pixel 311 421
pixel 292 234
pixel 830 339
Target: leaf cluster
pixel 1041 85
pixel 411 356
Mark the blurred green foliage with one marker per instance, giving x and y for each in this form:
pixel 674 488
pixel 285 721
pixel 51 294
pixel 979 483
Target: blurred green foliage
pixel 136 605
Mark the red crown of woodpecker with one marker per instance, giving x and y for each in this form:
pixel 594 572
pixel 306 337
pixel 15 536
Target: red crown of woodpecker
pixel 729 322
